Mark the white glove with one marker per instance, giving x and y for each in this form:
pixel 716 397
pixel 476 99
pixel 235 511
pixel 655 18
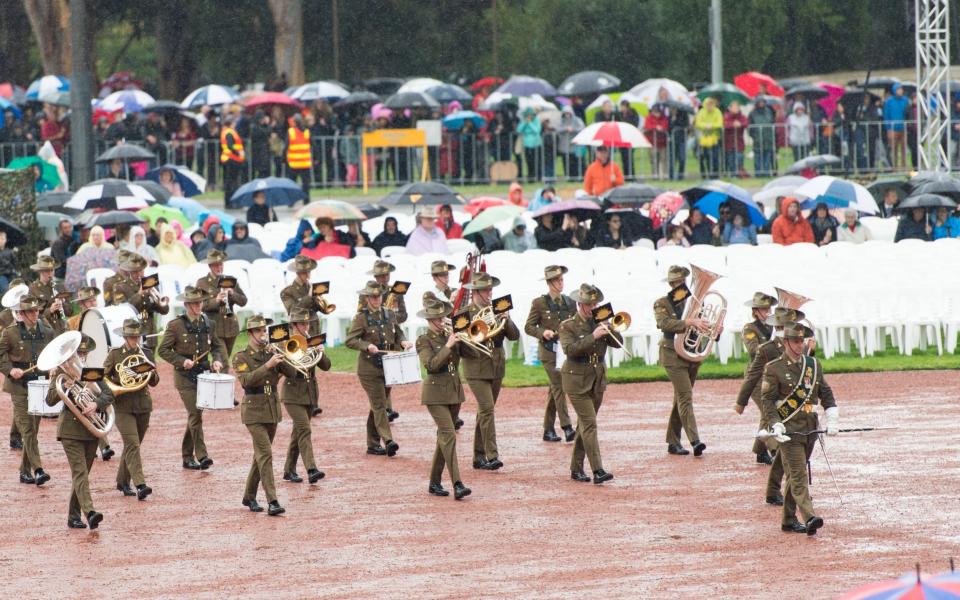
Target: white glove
pixel 833 420
pixel 780 432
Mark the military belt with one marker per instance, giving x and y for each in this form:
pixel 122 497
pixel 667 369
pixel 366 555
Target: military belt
pixel 264 390
pixel 591 359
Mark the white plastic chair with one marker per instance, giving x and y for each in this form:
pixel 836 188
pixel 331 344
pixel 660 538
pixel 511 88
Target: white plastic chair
pixel 389 251
pixel 96 277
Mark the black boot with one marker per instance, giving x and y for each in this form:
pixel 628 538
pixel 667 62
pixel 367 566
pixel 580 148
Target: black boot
pixel 677 449
pixel 143 490
pixel 813 524
pixel 27 478
pixel 478 463
pixel 316 412
pixel 698 448
pixel 40 477
pixel 775 500
pixel 764 458
pixel 274 509
pixel 392 415
pixel 550 436
pixel 569 433
pixel 437 490
pixel 315 475
pixel 107 453
pixel 460 491
pixel 76 523
pixel 93 519
pixel 579 476
pixel 376 450
pixel 206 462
pixel 292 476
pixel 16 443
pixel 253 505
pixel 600 476
pixel 457 424
pixel 392 448
pixel 794 527
pixel 126 489
pixel 191 464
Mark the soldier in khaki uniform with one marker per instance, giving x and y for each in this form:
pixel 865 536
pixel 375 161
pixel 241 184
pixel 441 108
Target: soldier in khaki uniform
pixel 394 302
pixel 20 345
pixel 80 446
pixel 53 310
pixel 484 374
pixel 440 273
pixel 11 298
pixel 126 287
pixel 668 312
pixel 543 322
pixel 375 329
pixel 220 302
pixel 792 387
pixel 132 411
pixel 298 391
pixel 299 294
pixel 259 372
pixel 441 392
pixel 755 333
pixel 192 347
pixel 584 376
pixel 87 299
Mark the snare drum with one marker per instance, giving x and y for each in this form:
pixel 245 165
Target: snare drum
pixel 215 391
pixel 37 399
pixel 401 367
pixel 99 324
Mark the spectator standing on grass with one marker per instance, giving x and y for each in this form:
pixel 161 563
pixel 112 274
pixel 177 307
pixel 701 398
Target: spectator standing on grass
pixel 894 115
pixel 570 154
pixel 914 226
pixel 824 225
pixel 709 125
pixel 762 125
pixel 260 155
pixel 679 130
pixel 791 227
pixel 530 131
pixel 628 115
pixel 656 128
pixel 798 131
pixel 734 124
pixel 602 174
pixel 852 230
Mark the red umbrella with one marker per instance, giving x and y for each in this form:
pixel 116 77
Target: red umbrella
pixel 753 83
pixel 664 207
pixel 269 98
pixel 477 205
pixel 491 82
pixel 616 134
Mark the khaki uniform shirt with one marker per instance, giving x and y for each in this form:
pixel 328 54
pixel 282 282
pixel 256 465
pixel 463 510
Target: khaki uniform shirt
pixel 300 295
pixel 185 339
pixel 547 313
pixel 69 426
pixel 47 294
pixel 299 389
pixel 128 402
pixel 442 384
pixel 780 377
pixel 585 365
pixel 669 320
pixel 479 366
pixel 224 320
pixel 121 289
pixel 261 396
pixel 19 348
pixel 379 328
pixel 6 318
pixel 767 351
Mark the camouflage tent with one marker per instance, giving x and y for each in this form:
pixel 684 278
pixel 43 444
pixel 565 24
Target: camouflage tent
pixel 19 206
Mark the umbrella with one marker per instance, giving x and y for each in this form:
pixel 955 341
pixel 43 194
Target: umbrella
pixel 664 207
pixel 418 84
pixel 879 188
pixel 616 134
pixel 422 193
pixel 596 106
pixel 814 162
pixel 524 85
pixel 210 95
pixel 130 101
pixel 156 191
pixel 792 82
pixel 126 152
pixel 455 120
pixel 272 99
pixel 46 86
pixel 768 99
pixel 448 92
pixel 808 91
pixel 120 80
pixel 163 106
pixel 402 100
pixel 358 99
pixel 674 105
pixel 781 186
pixel 554 118
pixel 112 218
pixel 6 105
pixel 279 190
pixel 371 210
pixel 338 210
pixel 190 207
pixel 226 221
pixel 923 177
pixel 54 201
pixel 13 93
pixel 588 82
pixel 191 184
pixel 485 82
pixel 880 83
pixel 477 205
pixel 710 195
pixel 15 235
pixel 949 188
pixel 247 252
pixel 491 217
pixel 725 92
pixel 497 100
pixel 837 193
pixel 383 86
pixel 48 172
pixel 581 209
pixel 648 92
pixel 911 586
pixel 56 98
pixel 754 83
pixel 112 194
pixel 319 90
pixel 852 98
pixel 91 258
pixel 156 211
pixel 926 201
pixel 631 193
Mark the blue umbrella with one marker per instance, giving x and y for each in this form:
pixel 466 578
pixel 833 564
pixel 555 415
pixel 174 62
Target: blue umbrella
pixel 710 195
pixel 190 207
pixel 279 190
pixel 226 221
pixel 836 193
pixel 190 183
pixel 457 119
pixel 47 85
pixel 6 105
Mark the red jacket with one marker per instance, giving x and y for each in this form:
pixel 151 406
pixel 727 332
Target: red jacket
pixel 788 232
pixel 733 136
pixel 656 129
pixel 454 231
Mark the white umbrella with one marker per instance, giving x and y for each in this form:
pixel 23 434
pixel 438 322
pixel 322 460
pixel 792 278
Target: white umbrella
pixel 419 84
pixel 315 90
pixel 210 95
pixel 838 193
pixel 48 85
pixel 648 92
pixel 612 134
pixel 536 102
pixel 126 100
pixel 112 194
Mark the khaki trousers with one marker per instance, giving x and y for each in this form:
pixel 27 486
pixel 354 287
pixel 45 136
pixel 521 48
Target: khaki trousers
pixel 29 427
pixel 682 375
pixel 446 451
pixel 133 427
pixel 378 423
pixel 587 443
pixel 301 440
pixel 261 469
pixel 192 446
pixel 485 433
pixel 556 399
pixel 80 457
pixel 794 455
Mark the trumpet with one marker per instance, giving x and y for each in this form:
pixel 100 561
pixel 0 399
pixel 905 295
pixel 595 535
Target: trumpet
pixel 159 300
pixel 619 323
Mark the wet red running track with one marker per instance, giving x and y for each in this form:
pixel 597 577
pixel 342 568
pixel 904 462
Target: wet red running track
pixel 666 527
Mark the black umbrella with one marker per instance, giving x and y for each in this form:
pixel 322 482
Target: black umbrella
pixel 674 105
pixel 358 99
pixel 371 210
pixel 411 100
pixel 879 83
pixel 160 194
pixel 126 152
pixel 792 82
pixel 54 201
pixel 423 193
pixel 809 92
pixel 15 235
pixel 631 193
pixel 588 82
pixel 878 189
pixel 163 107
pixel 852 98
pixel 813 162
pixel 947 187
pixel 449 92
pixel 383 86
pixel 113 218
pixel 924 177
pixel 926 201
pixel 111 194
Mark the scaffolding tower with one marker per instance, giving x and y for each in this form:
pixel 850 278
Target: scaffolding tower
pixel 933 84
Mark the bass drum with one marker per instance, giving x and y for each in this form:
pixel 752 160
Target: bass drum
pixel 99 324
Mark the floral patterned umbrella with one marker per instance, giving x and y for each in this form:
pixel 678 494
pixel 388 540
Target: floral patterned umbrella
pixel 91 258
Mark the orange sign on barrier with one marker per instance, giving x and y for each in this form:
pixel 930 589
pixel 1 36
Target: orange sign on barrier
pixel 394 138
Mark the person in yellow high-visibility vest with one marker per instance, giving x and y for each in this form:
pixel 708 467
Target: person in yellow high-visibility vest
pixel 232 158
pixel 299 160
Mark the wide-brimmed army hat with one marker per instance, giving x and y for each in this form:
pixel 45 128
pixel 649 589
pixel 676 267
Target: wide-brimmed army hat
pixel 381 267
pixel 554 271
pixel 45 263
pixel 371 289
pixel 300 315
pixel 130 327
pixel 302 263
pixel 676 273
pixel 796 331
pixel 87 344
pixel 435 309
pixel 28 303
pixel 192 294
pixel 784 316
pixel 761 300
pixel 257 322
pixel 439 267
pixel 482 281
pixel 88 293
pixel 215 256
pixel 587 294
pixel 131 261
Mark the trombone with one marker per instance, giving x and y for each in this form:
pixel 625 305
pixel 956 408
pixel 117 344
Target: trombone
pixel 619 323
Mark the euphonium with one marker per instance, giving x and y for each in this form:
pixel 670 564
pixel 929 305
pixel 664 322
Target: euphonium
pixel 130 380
pixel 694 345
pixel 61 355
pixel 794 301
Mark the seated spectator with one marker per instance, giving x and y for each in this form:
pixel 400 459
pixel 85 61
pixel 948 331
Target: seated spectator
pixel 675 237
pixel 260 212
pixel 945 225
pixel 426 237
pixel 390 236
pixel 519 239
pixel 169 182
pixel 890 201
pixel 328 241
pixel 153 238
pixel 852 230
pixel 738 231
pixel 697 228
pixel 602 174
pixel 613 235
pixel 790 227
pixel 172 251
pixel 487 240
pixel 138 244
pixel 549 236
pixel 96 240
pixel 914 226
pixel 199 243
pixel 542 197
pixel 358 237
pixel 515 195
pixel 303 238
pixel 240 234
pixel 450 228
pixel 327 233
pixel 824 225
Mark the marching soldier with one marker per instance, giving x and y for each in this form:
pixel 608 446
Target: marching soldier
pixel 192 347
pixel 484 374
pixel 543 322
pixel 375 329
pixel 87 299
pixel 440 273
pixel 53 309
pixel 259 372
pixel 668 312
pixel 220 301
pixel 394 302
pixel 299 390
pixel 132 411
pixel 755 333
pixel 80 446
pixel 11 298
pixel 126 287
pixel 299 294
pixel 584 376
pixel 792 387
pixel 20 345
pixel 441 392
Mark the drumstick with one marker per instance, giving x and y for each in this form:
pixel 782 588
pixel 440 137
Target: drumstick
pixel 197 358
pixel 33 368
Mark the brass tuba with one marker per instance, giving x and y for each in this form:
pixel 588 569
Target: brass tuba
pixel 130 380
pixel 693 345
pixel 61 355
pixel 794 301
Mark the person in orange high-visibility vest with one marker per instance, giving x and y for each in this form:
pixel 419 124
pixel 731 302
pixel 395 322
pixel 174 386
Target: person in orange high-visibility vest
pixel 232 158
pixel 299 160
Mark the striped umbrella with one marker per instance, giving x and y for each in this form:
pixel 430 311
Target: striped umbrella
pixel 112 194
pixel 336 210
pixel 129 101
pixel 910 587
pixel 210 95
pixel 836 193
pixel 615 134
pixel 48 85
pixel 316 90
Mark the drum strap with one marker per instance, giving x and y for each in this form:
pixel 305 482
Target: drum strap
pixel 379 321
pixel 32 337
